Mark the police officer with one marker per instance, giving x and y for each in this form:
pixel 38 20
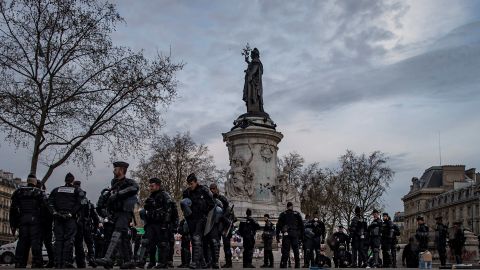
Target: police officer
pixel 308 243
pixel 290 224
pixel 441 236
pixel 226 224
pixel 185 244
pixel 358 234
pixel 121 201
pixel 267 237
pixel 421 235
pixel 158 217
pixel 173 226
pixel 340 240
pixel 387 240
pixel 319 238
pixel 196 204
pixel 393 251
pixel 248 230
pixel 375 236
pixel 66 202
pixel 457 242
pixel 47 231
pixel 25 211
pixel 106 226
pixel 87 220
pixel 305 258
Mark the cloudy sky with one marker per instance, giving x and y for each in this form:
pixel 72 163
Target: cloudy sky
pixel 359 75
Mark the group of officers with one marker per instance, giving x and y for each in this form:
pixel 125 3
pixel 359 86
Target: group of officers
pixel 208 221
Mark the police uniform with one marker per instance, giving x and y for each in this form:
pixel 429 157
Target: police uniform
pixel 120 200
pixel 185 244
pixel 173 230
pixel 340 241
pixel 87 221
pixel 201 202
pixel 375 237
pixel 157 231
pixel 320 233
pixel 421 235
pixel 441 236
pixel 290 225
pixel 267 237
pixel 358 233
pixel 388 234
pixel 212 239
pixel 47 232
pixel 25 211
pixel 66 202
pixel 226 232
pixel 248 230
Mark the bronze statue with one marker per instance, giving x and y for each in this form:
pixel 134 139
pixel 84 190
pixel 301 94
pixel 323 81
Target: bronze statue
pixel 253 89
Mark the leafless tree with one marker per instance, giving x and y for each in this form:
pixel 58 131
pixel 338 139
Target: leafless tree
pixel 291 164
pixel 66 89
pixel 365 179
pixel 333 194
pixel 172 160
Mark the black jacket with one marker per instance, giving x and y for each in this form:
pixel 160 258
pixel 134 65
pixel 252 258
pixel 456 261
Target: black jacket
pixel 26 207
pixel 291 223
pixel 202 202
pixel 67 199
pixel 123 195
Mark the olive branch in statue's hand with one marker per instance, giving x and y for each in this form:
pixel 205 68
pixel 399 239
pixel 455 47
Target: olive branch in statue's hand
pixel 246 52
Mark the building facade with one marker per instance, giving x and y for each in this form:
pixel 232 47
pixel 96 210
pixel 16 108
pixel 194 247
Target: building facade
pixel 8 184
pixel 449 191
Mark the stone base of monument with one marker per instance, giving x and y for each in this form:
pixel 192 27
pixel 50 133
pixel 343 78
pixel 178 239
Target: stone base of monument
pixel 254 180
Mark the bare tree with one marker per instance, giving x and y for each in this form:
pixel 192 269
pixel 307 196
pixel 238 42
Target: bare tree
pixel 291 164
pixel 333 194
pixel 320 195
pixel 65 89
pixel 364 179
pixel 172 160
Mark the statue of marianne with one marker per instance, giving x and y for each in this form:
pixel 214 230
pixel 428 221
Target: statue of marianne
pixel 253 88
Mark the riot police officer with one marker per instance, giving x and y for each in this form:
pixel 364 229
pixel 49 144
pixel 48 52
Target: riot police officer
pixel 158 218
pixel 267 237
pixel 173 226
pixel 421 235
pixel 320 233
pixel 358 234
pixel 185 244
pixel 196 204
pixel 87 220
pixel 393 251
pixel 308 243
pixel 248 230
pixel 387 240
pixel 375 236
pixel 441 236
pixel 106 226
pixel 290 225
pixel 47 231
pixel 120 201
pixel 25 211
pixel 66 202
pixel 339 242
pixel 224 225
pixel 213 231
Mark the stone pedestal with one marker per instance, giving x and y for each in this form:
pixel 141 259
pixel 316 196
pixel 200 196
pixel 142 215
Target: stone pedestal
pixel 254 180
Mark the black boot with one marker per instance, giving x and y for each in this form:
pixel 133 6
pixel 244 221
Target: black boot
pixel 106 261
